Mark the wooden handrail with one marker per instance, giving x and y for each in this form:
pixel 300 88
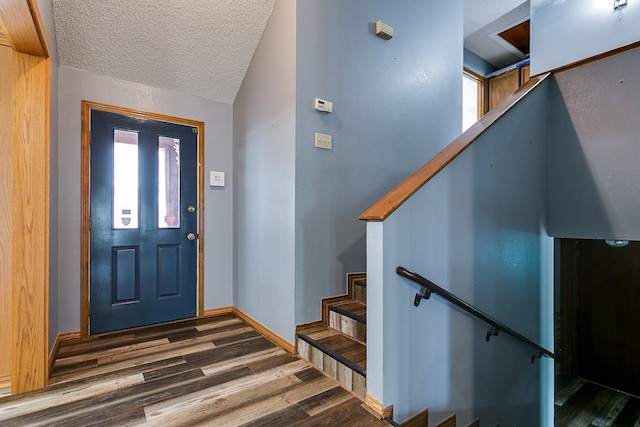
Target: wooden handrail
pixel 396 197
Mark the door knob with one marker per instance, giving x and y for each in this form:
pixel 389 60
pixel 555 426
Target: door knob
pixel 191 236
pixel 191 208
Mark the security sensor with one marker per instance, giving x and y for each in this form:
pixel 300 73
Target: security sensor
pixel 384 30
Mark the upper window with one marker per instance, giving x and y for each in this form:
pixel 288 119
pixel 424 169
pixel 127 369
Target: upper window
pixel 472 99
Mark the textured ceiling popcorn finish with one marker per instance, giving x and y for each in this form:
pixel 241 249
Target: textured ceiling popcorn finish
pixel 479 13
pixel 200 47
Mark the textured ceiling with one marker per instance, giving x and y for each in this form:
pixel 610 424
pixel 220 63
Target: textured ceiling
pixel 479 13
pixel 204 47
pixel 201 47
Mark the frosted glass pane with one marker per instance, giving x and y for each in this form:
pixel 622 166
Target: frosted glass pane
pixel 168 182
pixel 125 179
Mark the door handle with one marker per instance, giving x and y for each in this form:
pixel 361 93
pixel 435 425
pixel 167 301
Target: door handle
pixel 191 236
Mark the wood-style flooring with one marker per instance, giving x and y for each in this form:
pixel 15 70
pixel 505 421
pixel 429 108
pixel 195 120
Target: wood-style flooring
pixel 217 371
pixel 582 403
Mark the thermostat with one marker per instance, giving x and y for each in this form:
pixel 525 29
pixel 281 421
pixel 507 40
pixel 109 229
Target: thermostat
pixel 322 105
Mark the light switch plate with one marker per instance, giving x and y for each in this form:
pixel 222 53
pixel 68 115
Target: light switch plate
pixel 323 141
pixel 216 179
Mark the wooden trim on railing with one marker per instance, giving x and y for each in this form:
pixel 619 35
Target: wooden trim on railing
pixel 598 57
pixel 396 197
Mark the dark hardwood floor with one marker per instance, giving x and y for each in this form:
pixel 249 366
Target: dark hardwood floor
pixel 582 403
pixel 217 371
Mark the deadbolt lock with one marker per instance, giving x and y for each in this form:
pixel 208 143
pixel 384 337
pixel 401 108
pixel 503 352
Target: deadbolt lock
pixel 191 208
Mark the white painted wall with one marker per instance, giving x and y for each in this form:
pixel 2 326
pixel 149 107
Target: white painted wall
pixel 77 85
pixel 567 31
pixel 477 229
pixel 264 151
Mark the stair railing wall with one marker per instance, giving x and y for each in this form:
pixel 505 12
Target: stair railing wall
pixel 478 219
pixel 427 287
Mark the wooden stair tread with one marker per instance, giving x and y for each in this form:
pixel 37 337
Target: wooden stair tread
pixel 345 347
pixel 353 309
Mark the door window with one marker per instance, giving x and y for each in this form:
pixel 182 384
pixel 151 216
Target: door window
pixel 168 182
pixel 125 179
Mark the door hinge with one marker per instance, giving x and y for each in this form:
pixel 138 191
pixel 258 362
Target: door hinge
pixel 194 130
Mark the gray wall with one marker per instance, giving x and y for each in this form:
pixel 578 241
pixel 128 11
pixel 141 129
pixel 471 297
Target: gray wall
pixel 595 150
pixel 478 229
pixel 77 85
pixel 46 15
pixel 476 64
pixel 563 32
pixel 264 156
pixel 396 103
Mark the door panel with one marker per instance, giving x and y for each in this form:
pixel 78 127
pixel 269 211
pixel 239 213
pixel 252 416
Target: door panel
pixel 608 314
pixel 143 268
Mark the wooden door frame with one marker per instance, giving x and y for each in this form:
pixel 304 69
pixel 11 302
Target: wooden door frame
pixel 28 181
pixel 87 106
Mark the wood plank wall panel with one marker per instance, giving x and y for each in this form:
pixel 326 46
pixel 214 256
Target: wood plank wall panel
pixel 30 213
pixel 4 41
pixel 6 119
pixel 525 74
pixel 502 86
pixel 24 35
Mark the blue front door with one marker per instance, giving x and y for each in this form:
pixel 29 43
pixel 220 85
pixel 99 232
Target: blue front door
pixel 143 256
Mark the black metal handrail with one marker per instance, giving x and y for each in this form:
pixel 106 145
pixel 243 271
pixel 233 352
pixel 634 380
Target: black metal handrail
pixel 428 287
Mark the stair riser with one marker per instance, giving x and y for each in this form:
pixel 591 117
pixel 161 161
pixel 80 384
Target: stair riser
pixel 348 326
pixel 360 293
pixel 343 374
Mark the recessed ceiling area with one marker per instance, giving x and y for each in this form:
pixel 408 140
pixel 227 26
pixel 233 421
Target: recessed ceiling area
pixel 497 30
pixel 518 36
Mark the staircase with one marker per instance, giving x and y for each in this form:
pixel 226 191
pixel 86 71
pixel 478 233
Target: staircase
pixel 337 346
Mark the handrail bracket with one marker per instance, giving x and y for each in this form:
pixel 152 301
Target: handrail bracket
pixel 537 356
pixel 493 333
pixel 427 287
pixel 423 294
